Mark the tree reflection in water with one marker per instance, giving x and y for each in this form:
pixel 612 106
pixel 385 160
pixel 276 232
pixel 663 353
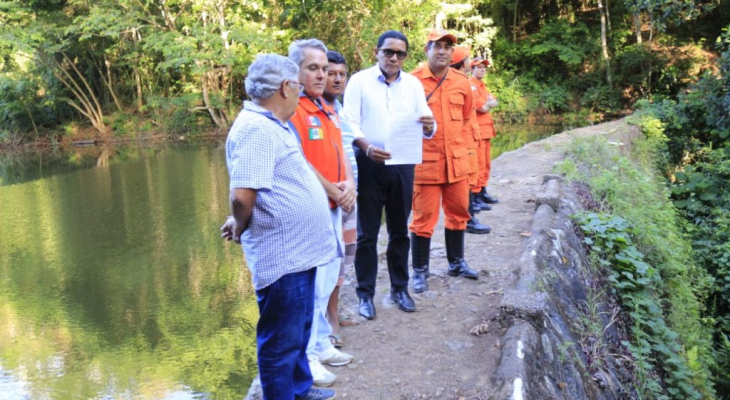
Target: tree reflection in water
pixel 114 281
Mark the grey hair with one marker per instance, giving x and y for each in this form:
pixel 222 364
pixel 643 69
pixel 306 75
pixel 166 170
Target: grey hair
pixel 266 73
pixel 296 49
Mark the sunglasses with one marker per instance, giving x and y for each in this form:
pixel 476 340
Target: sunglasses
pixel 388 53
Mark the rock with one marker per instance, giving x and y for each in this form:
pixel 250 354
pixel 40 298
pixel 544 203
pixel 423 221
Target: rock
pixel 550 194
pixel 255 392
pixel 438 253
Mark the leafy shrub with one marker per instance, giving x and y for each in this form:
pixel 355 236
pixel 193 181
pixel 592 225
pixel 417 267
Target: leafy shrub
pixel 696 131
pixel 654 346
pixel 631 190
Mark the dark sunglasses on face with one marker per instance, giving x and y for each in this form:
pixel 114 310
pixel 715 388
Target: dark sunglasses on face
pixel 388 53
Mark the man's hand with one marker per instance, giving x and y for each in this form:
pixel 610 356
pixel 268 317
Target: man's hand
pixel 230 230
pixel 378 155
pixel 348 195
pixel 428 124
pixel 492 102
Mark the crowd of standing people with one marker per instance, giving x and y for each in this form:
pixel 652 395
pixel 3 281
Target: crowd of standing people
pixel 309 182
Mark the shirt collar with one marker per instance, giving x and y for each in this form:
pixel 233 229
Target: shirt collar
pixel 428 74
pixel 253 107
pixel 381 77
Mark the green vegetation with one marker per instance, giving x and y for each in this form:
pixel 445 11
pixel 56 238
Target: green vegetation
pixel 663 232
pixel 138 69
pixel 654 345
pixel 693 136
pixel 650 265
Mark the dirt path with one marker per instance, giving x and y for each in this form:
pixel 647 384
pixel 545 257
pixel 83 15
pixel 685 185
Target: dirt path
pixel 430 354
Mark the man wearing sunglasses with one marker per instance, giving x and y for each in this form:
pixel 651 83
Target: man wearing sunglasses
pixel 372 97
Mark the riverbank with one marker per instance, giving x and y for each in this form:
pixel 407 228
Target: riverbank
pixel 78 135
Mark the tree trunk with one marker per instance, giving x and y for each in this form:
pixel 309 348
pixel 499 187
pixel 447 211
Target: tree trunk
pixel 137 78
pixel 604 44
pixel 110 85
pixel 206 101
pixel 514 23
pixel 637 26
pixel 138 82
pixel 32 121
pixel 85 101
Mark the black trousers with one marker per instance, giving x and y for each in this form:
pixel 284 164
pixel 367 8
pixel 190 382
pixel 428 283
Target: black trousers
pixel 389 186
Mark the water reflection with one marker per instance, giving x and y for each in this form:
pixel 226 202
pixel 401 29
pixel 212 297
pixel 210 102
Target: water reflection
pixel 513 136
pixel 114 282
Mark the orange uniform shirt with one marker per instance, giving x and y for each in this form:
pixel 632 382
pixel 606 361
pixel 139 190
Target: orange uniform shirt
pixel 445 156
pixel 318 128
pixel 486 124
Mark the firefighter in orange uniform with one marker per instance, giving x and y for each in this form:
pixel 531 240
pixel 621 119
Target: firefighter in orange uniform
pixel 484 101
pixel 443 174
pixel 460 62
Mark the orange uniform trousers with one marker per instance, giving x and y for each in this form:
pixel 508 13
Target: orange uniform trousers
pixel 427 200
pixel 476 162
pixel 485 162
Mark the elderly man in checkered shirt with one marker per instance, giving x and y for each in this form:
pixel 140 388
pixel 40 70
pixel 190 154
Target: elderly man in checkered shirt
pixel 283 246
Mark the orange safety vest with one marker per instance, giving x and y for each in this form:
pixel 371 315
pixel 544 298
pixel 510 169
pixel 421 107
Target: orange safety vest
pixel 486 124
pixel 321 139
pixel 445 155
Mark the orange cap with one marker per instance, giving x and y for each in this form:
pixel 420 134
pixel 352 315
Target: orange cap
pixel 437 34
pixel 460 54
pixel 478 61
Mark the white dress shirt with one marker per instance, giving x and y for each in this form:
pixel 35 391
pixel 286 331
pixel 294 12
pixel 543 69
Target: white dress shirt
pixel 370 100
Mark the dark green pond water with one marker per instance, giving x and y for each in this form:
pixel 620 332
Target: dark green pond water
pixel 114 282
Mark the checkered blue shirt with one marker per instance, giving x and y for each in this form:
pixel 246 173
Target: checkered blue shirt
pixel 291 228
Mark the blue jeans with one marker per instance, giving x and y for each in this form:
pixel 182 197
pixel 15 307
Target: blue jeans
pixel 285 323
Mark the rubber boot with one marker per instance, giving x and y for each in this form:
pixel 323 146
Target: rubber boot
pixel 473 225
pixel 420 253
pixel 474 205
pixel 455 255
pixel 486 198
pixel 477 200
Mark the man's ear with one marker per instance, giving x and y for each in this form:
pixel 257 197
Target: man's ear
pixel 282 89
pixel 375 52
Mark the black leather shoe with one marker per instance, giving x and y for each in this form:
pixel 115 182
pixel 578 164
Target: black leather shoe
pixel 404 300
pixel 367 308
pixel 317 394
pixel 474 226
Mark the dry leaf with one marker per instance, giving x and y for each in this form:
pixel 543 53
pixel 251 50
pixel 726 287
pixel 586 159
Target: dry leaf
pixel 479 329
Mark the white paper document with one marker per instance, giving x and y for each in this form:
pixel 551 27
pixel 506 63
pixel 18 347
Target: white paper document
pixel 405 140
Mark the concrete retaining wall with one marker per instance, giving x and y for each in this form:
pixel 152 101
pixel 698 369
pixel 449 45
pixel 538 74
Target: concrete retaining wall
pixel 546 351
